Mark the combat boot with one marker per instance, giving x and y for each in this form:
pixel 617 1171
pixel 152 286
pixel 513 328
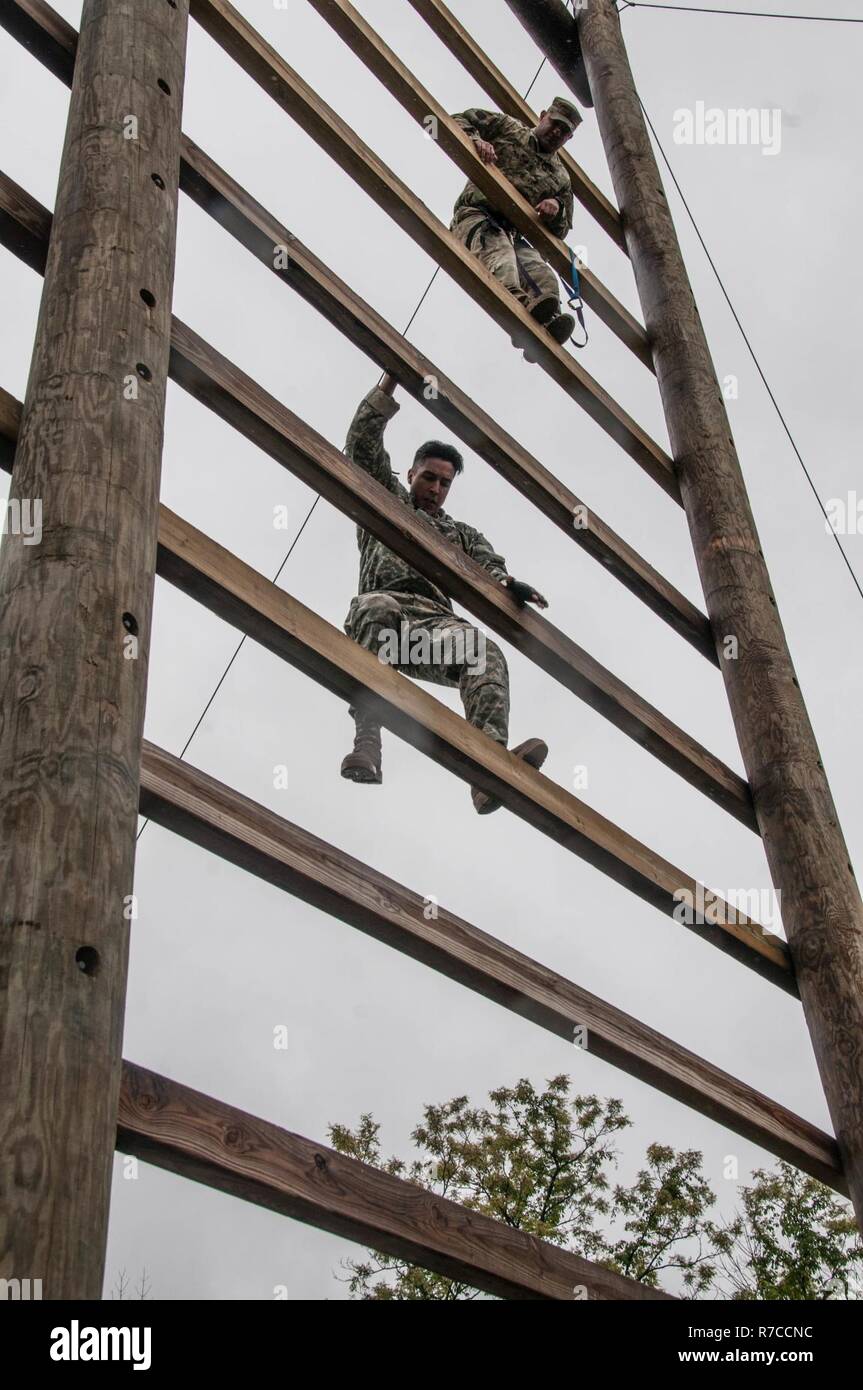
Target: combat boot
pixel 533 751
pixel 543 309
pixel 561 328
pixel 364 763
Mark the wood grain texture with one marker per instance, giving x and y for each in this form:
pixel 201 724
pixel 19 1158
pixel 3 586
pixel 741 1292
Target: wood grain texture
pixel 217 383
pixel 400 82
pixel 48 38
pixel 476 61
pixel 805 847
pixel 219 819
pixel 71 703
pixel 186 1132
pixel 319 121
pixel 25 225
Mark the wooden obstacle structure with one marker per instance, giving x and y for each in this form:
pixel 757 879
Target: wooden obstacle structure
pixel 74 770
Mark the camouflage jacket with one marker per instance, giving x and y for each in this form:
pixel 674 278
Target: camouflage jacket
pixel 380 568
pixel 534 174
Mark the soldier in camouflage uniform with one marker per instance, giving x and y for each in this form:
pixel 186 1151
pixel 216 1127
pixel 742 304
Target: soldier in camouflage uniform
pixel 528 157
pixel 397 607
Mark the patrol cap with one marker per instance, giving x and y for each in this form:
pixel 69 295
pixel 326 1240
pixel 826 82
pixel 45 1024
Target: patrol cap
pixel 565 111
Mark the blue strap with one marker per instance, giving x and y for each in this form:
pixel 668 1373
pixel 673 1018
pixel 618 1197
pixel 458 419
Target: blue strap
pixel 574 299
pixel 573 289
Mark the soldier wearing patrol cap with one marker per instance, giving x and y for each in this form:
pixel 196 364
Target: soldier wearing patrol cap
pixel 529 158
pixel 565 111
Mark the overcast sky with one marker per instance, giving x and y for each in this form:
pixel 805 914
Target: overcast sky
pixel 220 959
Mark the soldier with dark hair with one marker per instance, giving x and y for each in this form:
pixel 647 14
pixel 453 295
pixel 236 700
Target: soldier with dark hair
pixel 529 159
pixel 398 610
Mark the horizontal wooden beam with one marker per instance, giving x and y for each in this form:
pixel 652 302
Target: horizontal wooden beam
pixel 186 1132
pixel 255 839
pixel 473 58
pixel 25 225
pixel 221 386
pixel 49 38
pixel 400 82
pixel 266 67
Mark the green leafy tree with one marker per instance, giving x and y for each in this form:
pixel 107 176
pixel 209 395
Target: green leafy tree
pixel 665 1222
pixel 793 1239
pixel 541 1162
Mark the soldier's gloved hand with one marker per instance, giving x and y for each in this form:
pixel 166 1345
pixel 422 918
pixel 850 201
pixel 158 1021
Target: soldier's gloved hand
pixel 524 593
pixel 549 207
pixel 486 151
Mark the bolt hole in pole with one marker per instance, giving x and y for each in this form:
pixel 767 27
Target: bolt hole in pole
pixel 158 180
pixel 149 298
pixel 87 960
pixel 143 371
pixel 163 86
pixel 130 623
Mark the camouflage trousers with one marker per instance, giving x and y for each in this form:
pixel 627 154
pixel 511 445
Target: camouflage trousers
pixel 523 271
pixel 423 639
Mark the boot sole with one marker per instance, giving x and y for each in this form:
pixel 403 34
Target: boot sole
pixel 561 328
pixel 561 336
pixel 542 312
pixel 361 772
pixel 534 752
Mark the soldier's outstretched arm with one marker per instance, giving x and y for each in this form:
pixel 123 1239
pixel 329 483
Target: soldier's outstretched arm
pixel 365 442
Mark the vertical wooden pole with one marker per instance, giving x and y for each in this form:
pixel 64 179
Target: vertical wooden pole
pixel 75 605
pixel 806 851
